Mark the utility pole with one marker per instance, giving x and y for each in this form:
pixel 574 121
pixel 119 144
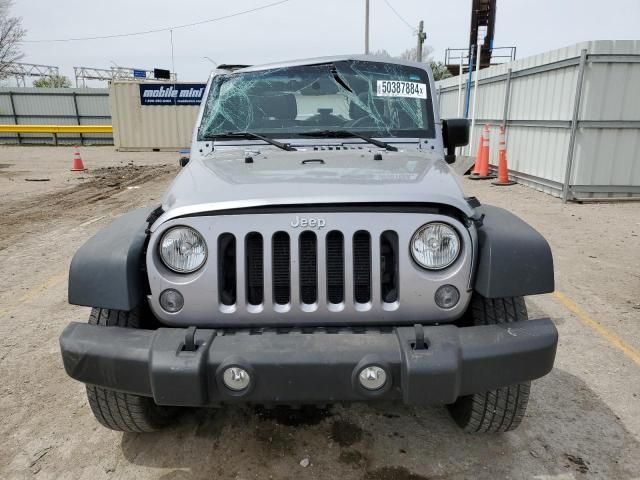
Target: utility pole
pixel 366 28
pixel 421 38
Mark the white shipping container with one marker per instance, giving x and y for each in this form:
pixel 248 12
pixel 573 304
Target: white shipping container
pixel 148 127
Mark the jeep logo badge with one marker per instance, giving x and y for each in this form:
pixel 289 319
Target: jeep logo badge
pixel 318 223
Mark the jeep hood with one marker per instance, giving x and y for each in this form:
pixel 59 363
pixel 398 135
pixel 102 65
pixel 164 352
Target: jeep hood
pixel 239 178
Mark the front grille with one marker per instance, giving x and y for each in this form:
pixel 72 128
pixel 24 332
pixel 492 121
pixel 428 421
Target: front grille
pixel 341 274
pixel 227 269
pixel 308 267
pixel 255 268
pixel 362 267
pixel 281 269
pixel 335 267
pixel 389 274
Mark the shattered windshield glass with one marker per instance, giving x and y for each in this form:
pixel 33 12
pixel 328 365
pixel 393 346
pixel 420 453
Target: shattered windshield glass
pixel 370 98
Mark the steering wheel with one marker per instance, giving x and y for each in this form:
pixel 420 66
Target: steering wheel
pixel 331 120
pixel 360 122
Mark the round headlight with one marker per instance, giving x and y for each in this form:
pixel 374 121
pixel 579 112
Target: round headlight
pixel 435 246
pixel 183 250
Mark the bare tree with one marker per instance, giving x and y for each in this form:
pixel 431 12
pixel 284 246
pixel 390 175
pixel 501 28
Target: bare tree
pixel 11 34
pixel 381 53
pixel 411 54
pixel 438 68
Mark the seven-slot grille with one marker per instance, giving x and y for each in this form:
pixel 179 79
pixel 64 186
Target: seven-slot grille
pixel 308 269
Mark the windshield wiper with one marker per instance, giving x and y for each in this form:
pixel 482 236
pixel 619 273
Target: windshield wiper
pixel 347 134
pixel 275 143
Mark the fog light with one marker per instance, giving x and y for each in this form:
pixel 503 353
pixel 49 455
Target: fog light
pixel 373 377
pixel 447 296
pixel 171 300
pixel 236 378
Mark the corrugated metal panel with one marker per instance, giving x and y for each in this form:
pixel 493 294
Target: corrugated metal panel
pixel 43 105
pixel 89 105
pixel 606 160
pixel 449 103
pixel 607 157
pixel 546 96
pixel 5 109
pixel 491 102
pixel 538 151
pixel 138 127
pixel 58 101
pixel 55 106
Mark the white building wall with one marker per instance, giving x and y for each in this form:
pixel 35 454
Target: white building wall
pixel 606 160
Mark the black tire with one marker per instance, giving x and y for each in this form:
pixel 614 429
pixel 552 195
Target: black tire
pixel 123 411
pixel 503 409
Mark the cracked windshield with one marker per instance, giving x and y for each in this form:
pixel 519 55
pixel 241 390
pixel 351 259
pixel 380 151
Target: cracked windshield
pixel 368 98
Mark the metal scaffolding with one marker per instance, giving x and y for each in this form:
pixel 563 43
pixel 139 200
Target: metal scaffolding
pixel 454 56
pixel 22 70
pixel 83 74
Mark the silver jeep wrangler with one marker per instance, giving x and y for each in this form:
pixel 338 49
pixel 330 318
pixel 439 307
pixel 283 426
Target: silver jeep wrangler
pixel 316 248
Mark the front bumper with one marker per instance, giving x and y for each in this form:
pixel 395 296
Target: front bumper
pixel 300 367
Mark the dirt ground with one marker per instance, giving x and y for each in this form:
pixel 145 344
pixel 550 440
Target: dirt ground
pixel 583 419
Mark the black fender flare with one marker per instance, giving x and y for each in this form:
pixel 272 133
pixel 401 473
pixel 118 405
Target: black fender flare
pixel 513 258
pixel 108 270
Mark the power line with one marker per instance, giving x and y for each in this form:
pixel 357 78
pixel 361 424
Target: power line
pixel 156 30
pixel 400 17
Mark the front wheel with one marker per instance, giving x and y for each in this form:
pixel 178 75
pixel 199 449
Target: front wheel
pixel 123 411
pixel 502 409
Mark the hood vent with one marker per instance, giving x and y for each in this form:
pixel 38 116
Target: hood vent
pixel 338 147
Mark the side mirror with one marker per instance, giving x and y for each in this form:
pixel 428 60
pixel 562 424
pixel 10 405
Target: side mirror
pixel 455 133
pixel 183 161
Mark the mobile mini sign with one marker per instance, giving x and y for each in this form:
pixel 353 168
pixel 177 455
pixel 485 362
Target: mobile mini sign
pixel 171 93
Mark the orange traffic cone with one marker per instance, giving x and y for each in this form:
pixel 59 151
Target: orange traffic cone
pixel 77 166
pixel 476 166
pixel 483 158
pixel 503 171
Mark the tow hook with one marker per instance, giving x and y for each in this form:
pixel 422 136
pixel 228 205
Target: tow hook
pixel 419 343
pixel 190 340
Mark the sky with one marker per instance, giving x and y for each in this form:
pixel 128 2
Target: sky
pixel 298 29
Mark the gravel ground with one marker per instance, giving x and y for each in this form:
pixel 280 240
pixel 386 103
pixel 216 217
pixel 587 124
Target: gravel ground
pixel 583 419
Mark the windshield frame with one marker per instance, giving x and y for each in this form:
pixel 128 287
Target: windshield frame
pixel 400 135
